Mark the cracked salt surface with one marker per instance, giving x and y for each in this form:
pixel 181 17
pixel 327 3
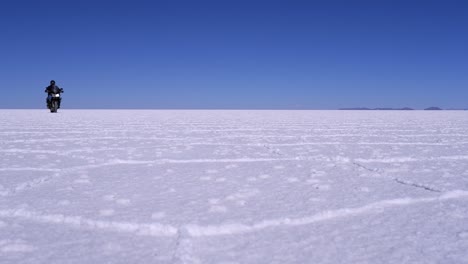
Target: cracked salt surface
pixel 141 186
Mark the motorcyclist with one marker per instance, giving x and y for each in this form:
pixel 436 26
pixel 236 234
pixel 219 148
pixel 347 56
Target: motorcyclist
pixel 53 89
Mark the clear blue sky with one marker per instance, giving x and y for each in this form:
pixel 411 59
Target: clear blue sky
pixel 235 53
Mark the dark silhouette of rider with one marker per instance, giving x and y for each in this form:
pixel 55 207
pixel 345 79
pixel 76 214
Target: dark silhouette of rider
pixel 53 89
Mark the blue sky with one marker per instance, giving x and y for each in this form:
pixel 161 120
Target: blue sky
pixel 235 53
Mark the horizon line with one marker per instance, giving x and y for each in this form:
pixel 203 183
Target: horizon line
pixel 255 109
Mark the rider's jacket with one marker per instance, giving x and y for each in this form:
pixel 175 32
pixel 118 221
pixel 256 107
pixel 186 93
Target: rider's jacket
pixel 52 89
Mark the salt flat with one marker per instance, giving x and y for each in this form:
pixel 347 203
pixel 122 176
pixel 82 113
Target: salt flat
pixel 192 186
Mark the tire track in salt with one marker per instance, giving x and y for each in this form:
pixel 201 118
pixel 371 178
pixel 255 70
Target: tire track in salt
pixel 192 230
pixel 411 159
pixel 30 169
pixel 142 229
pixel 234 229
pixel 63 172
pixel 37 182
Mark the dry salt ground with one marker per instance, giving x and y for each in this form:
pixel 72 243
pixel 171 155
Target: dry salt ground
pixel 121 186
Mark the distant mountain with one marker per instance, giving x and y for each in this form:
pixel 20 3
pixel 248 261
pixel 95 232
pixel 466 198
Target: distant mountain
pixel 380 108
pixel 433 108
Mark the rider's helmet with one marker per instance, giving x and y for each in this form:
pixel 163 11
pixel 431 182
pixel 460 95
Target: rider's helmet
pixel 52 82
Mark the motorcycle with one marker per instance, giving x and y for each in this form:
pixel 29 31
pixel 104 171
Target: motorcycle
pixel 54 101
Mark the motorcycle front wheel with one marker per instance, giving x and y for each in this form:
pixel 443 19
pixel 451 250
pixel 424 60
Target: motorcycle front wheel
pixel 54 107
